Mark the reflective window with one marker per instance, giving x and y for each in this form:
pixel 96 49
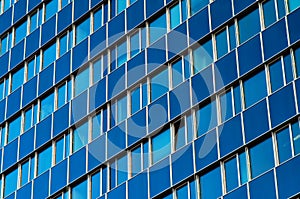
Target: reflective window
pixel 2 89
pixel 194 190
pixel 121 109
pixel 28 119
pixel 63 44
pixel 82 80
pixel 255 88
pixel 221 43
pixel 61 95
pixel 30 69
pixel 97 125
pixel 135 100
pixel 11 182
pixel 49 55
pixel 159 84
pixel 177 73
pixel 121 54
pixel 249 25
pixel 237 99
pixel 25 173
pixel 269 12
pixel 14 129
pixel 293 5
pixel 206 118
pixel 6 43
pixel 243 165
pixel 261 157
pixel 82 30
pixel 197 5
pixel 189 128
pixel 44 160
pixel 47 106
pixel 161 146
pixel 296 137
pixel 284 145
pixel 226 105
pixel 95 185
pixel 276 78
pixel 59 150
pixel 98 18
pixel 210 184
pixel 79 191
pixel 33 21
pixel 182 192
pixel 297 61
pixel 80 136
pixel 288 67
pixel 157 28
pixel 121 5
pixel 134 44
pixel 136 160
pixel 20 32
pixel 17 79
pixel 202 56
pixel 122 170
pixel 231 173
pixel 232 36
pixel 50 9
pixel 97 70
pixel 179 133
pixel 174 16
pixel 146 155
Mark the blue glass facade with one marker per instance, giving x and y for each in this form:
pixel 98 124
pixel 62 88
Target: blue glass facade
pixel 106 99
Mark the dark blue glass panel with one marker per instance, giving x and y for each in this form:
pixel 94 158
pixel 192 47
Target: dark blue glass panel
pixel 116 28
pixel 240 5
pixel 24 192
pixel 61 120
pixel 62 68
pixel 157 28
pixel 177 40
pixel 80 7
pixel 202 85
pixel 179 99
pixel 98 41
pixel 2 109
pixel 17 53
pixel 40 183
pixel 284 145
pixel 136 127
pixel 64 18
pixel 276 75
pixel 137 187
pixel 221 11
pixel 5 20
pixel 58 176
pixel 13 103
pixel 238 193
pixel 269 12
pixel 119 192
pixel 249 55
pixel 261 157
pixel 158 113
pixel 264 184
pixel 274 39
pixel 296 134
pixel 210 184
pixel 97 94
pixel 156 54
pixel 288 172
pixel 249 25
pixel 196 21
pixel 197 5
pixel 256 121
pixel 48 30
pixel 4 59
pixel 280 110
pixel 116 140
pixel 221 43
pixel 19 10
pixel 294 30
pixel 80 190
pixel 43 131
pixel 116 82
pixel 206 151
pixel 226 105
pixel 231 174
pixel 135 14
pixel 159 173
pixel 225 70
pixel 10 154
pixel 153 7
pixel 136 68
pixel 288 67
pixel 206 118
pixel 182 159
pixel 46 79
pixel 32 42
pixel 96 152
pixel 230 135
pixel 79 107
pixel 77 167
pixel 80 54
pixel 26 143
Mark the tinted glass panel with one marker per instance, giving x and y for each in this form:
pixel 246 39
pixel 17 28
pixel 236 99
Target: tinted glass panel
pixel 59 150
pixel 136 161
pixel 135 100
pixel 276 77
pixel 44 160
pixel 159 84
pixel 51 9
pixel 284 145
pixel 122 109
pixel 82 81
pixel 157 28
pixel 49 55
pixel 134 44
pixel 221 42
pixel 80 190
pixel 226 105
pixel 179 129
pixel 231 172
pixel 11 180
pixel 14 129
pixel 82 30
pixel 182 193
pixel 177 74
pixel 293 4
pixel 210 184
pixel 161 146
pixel 122 170
pixel 122 54
pixel 95 189
pixel 17 79
pixel 20 32
pixel 269 12
pixel 174 16
pixel 249 25
pixel 206 118
pixel 80 136
pixel 97 19
pixel 97 70
pixel 202 56
pixel 47 106
pixel 197 5
pixel 296 137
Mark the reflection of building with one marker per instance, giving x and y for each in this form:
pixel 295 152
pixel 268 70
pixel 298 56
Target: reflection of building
pixel 149 99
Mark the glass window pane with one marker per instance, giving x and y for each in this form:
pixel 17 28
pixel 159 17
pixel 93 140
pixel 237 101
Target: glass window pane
pixel 14 129
pixel 82 30
pixel 269 12
pixel 187 67
pixel 293 4
pixel 80 191
pixel 281 8
pixel 159 84
pixel 112 172
pixel 11 181
pixel 177 76
pixel 97 70
pixel 80 136
pixel 44 160
pixel 206 118
pixel 95 188
pixel 135 100
pixel 51 9
pixel 237 99
pixel 297 61
pixel 184 9
pixel 30 69
pixel 63 44
pixel 182 192
pixel 221 43
pixel 3 45
pixel 59 150
pixel 255 88
pixel 134 44
pixel 122 109
pixel 146 155
pixel 104 180
pixel 174 16
pixel 189 126
pixel 231 172
pixel 144 94
pixel 96 128
pixel 202 56
pixel 288 67
pixel 249 25
pixel 49 55
pixel 232 36
pixel 61 95
pixel 98 19
pixel 28 119
pixel 161 146
pixel 122 170
pixel 261 157
pixel 47 106
pixel 276 77
pixel 121 5
pixel 82 81
pixel 2 88
pixel 210 184
pixel 25 173
pixel 157 28
pixel 122 53
pixel 179 132
pixel 243 168
pixel 194 190
pixel 197 5
pixel 136 161
pixel 226 106
pixel 17 79
pixel 21 31
pixel 284 145
pixel 296 137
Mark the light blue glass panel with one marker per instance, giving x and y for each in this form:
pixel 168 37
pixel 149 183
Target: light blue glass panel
pixel 14 129
pixel 44 160
pixel 255 88
pixel 193 190
pixel 296 137
pixel 122 54
pixel 136 161
pixel 97 70
pixel 122 173
pixel 134 44
pixel 80 136
pixel 112 173
pixel 179 128
pixel 49 55
pixel 202 56
pixel 25 173
pixel 7 4
pixel 284 145
pixel 21 31
pixel 187 67
pixel 135 100
pixel 297 60
pixel 146 155
pixel 63 44
pixel 70 42
pixel 3 45
pixel 159 84
pixel 11 181
pixel 281 8
pixel 65 2
pixel 70 90
pixel 82 30
pixel 37 64
pixel 157 28
pixel 161 146
pixel 104 180
pixel 206 118
pixel 95 187
pixel 222 44
pixel 122 109
pixel 51 9
pixel 184 9
pixel 30 69
pixel 293 4
pixel 28 119
pixel 98 19
pixel 80 191
pixel 121 5
pixel 67 145
pixel 17 79
pixel 32 168
pixel 197 5
pixel 3 136
pixel 226 106
pixel 47 106
pixel 189 128
pixel 177 74
pixel 174 16
pixel 2 88
pixel 144 94
pixel 249 25
pixel 269 12
pixel 82 80
pixel 261 157
pixel 61 95
pixel 276 77
pixel 97 125
pixel 243 168
pixel 40 16
pixel 59 150
pixel 210 184
pixel 231 172
pixel 182 192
